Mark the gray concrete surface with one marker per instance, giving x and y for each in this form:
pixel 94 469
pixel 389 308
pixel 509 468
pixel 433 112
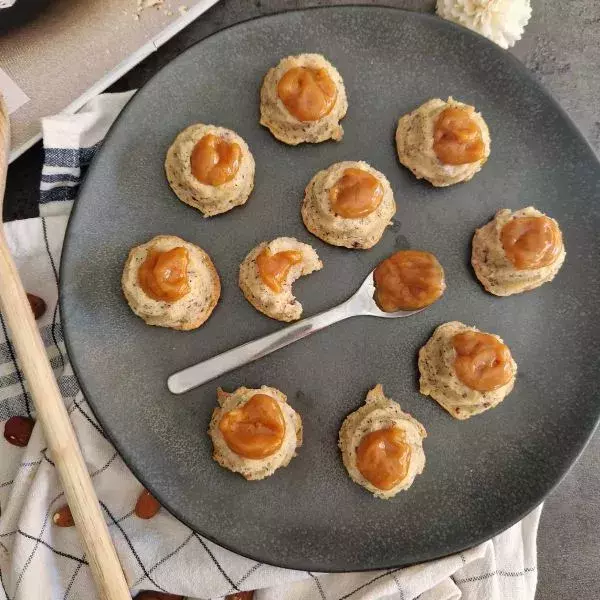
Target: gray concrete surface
pixel 562 49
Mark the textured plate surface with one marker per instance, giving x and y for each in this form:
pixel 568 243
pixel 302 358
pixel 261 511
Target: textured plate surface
pixel 482 474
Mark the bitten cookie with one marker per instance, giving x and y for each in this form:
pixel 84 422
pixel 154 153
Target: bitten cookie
pixel 267 274
pixel 517 251
pixel 171 283
pixel 382 446
pixel 466 371
pixel 443 142
pixel 348 204
pixel 303 99
pixel 210 168
pixel 254 431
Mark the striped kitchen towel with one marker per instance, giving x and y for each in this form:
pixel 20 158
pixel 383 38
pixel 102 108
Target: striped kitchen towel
pixel 41 561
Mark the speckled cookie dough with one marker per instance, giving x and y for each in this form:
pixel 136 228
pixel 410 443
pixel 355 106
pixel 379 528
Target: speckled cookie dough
pixel 414 142
pixel 492 267
pixel 439 379
pixel 378 413
pixel 254 469
pixel 322 221
pixel 210 200
pixel 282 306
pixel 190 311
pixel 283 125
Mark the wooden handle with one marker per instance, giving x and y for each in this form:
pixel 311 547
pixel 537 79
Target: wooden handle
pixel 52 414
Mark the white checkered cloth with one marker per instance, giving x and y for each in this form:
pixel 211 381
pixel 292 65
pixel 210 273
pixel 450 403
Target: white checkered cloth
pixel 40 561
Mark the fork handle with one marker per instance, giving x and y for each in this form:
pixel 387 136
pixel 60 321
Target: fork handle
pixel 210 369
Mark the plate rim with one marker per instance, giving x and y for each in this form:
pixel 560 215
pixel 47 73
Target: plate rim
pixel 299 564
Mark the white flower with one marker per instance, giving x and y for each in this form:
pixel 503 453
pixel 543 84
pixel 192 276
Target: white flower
pixel 502 21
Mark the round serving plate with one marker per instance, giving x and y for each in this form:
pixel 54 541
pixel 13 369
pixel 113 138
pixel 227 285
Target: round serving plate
pixel 481 475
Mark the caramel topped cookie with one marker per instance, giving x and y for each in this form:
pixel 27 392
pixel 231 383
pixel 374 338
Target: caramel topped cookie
pixel 348 204
pixel 267 274
pixel 382 446
pixel 303 99
pixel 443 142
pixel 517 251
pixel 465 370
pixel 210 168
pixel 254 431
pixel 171 283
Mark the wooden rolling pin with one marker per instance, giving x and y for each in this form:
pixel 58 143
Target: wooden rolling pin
pixel 51 411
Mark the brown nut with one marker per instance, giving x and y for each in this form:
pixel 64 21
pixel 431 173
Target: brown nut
pixel 38 305
pixel 63 517
pixel 147 505
pixel 17 430
pixel 240 596
pixel 152 595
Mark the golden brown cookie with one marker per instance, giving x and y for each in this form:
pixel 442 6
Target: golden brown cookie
pixel 222 160
pixel 254 431
pixel 334 211
pixel 381 423
pixel 496 269
pixel 303 99
pixel 198 284
pixel 268 272
pixel 416 144
pixel 443 378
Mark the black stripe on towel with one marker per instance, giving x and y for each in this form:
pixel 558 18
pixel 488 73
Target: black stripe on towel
pixel 58 194
pixel 69 157
pixel 56 177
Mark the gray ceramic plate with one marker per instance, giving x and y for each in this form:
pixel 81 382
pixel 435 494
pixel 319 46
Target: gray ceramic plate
pixel 481 475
